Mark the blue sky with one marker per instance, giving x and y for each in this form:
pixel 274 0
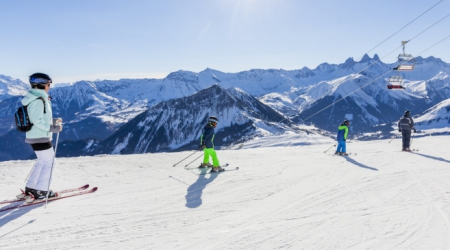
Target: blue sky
pixel 112 39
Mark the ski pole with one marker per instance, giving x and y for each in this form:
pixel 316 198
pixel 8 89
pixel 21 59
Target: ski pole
pixel 395 136
pixel 51 170
pixel 185 158
pixel 30 172
pixel 194 159
pixel 330 148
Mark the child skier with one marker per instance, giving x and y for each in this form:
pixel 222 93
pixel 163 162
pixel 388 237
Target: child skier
pixel 206 142
pixel 341 138
pixel 39 137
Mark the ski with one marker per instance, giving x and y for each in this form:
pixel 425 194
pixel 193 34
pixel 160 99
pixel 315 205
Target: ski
pixel 410 151
pixel 218 172
pixel 58 192
pixel 348 154
pixel 207 170
pixel 41 201
pixel 190 168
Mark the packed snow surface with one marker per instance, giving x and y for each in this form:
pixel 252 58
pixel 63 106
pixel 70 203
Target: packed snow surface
pixel 283 197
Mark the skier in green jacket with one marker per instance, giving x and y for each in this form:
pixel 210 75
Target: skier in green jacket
pixel 342 138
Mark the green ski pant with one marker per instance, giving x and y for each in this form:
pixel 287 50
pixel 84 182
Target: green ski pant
pixel 210 152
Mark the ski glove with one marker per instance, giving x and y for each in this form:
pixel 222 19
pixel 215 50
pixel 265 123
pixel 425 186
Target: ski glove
pixel 57 121
pixel 55 128
pixel 345 139
pixel 202 146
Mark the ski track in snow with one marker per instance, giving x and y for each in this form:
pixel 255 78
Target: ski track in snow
pixel 280 198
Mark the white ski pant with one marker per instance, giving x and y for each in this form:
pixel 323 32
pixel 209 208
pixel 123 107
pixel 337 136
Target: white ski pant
pixel 40 176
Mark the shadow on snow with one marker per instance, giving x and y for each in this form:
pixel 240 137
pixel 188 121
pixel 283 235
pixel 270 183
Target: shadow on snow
pixel 12 215
pixel 195 191
pixel 433 157
pixel 359 164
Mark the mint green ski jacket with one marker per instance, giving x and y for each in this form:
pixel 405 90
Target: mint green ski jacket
pixel 40 132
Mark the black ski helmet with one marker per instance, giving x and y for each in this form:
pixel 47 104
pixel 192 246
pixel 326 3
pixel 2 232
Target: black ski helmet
pixel 39 80
pixel 407 113
pixel 346 122
pixel 213 119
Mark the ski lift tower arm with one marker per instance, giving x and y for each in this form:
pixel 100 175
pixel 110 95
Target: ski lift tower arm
pixel 403 44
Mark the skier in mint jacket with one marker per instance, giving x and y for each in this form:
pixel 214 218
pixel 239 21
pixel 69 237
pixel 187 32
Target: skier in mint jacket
pixel 207 143
pixel 39 137
pixel 342 138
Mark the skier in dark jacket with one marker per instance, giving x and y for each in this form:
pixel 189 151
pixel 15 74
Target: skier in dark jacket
pixel 207 143
pixel 405 125
pixel 342 138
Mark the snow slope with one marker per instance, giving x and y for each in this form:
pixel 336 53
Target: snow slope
pixel 281 198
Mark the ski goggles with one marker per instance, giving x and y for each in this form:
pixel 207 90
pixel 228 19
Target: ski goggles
pixel 37 80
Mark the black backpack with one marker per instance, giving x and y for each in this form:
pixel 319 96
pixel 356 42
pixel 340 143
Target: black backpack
pixel 23 123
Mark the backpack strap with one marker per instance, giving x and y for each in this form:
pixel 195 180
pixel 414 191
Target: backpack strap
pixel 43 102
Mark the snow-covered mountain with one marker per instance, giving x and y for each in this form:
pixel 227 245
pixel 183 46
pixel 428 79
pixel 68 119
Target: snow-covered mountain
pixel 12 87
pixel 177 124
pixel 95 110
pixel 11 92
pixel 436 119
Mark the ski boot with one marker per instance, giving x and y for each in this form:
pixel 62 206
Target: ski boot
pixel 205 165
pixel 217 169
pixel 40 195
pixel 25 194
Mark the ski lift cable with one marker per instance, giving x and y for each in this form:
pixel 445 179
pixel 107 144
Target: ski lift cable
pixel 354 62
pixel 385 56
pixel 429 27
pixel 342 98
pixel 286 118
pixel 404 27
pixel 370 65
pixel 435 44
pixel 371 81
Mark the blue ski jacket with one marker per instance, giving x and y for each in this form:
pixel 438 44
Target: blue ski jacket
pixel 342 133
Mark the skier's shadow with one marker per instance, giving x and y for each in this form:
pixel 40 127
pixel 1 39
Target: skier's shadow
pixel 195 191
pixel 12 215
pixel 433 157
pixel 359 164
